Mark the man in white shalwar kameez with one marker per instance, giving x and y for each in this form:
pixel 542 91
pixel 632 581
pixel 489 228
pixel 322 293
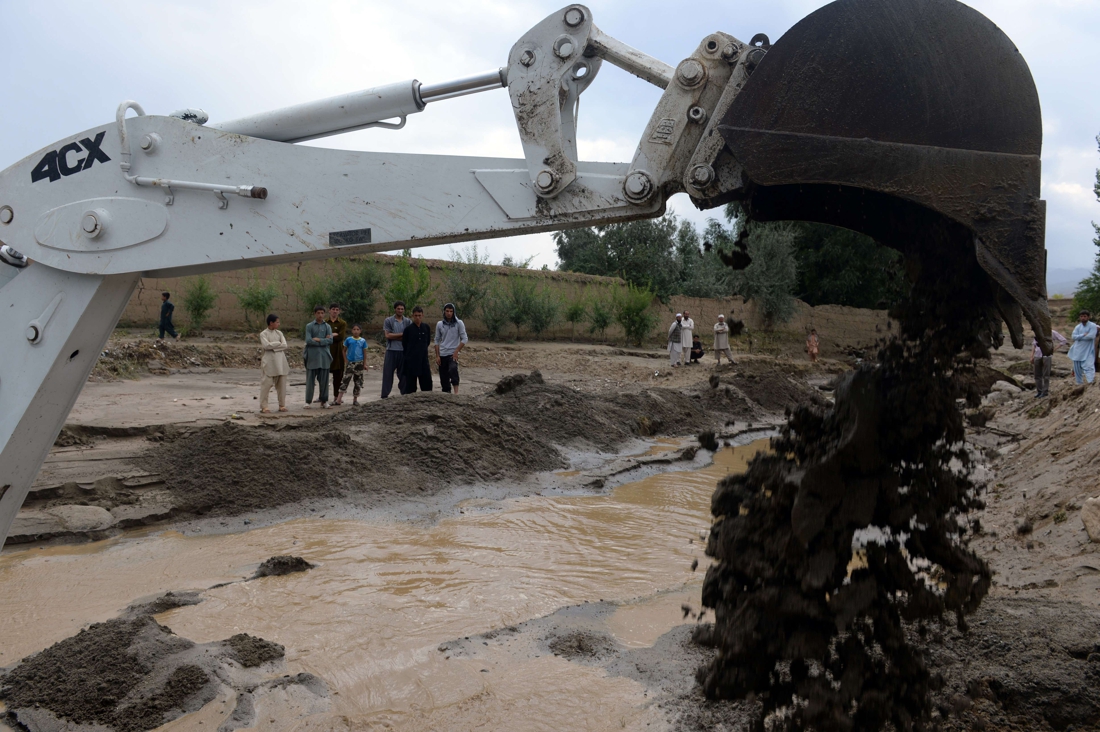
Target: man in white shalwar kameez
pixel 687 326
pixel 273 366
pixel 674 343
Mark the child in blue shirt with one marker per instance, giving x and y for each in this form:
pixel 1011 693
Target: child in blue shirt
pixel 355 348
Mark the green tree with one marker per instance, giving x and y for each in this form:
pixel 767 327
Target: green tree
pixel 702 272
pixel 495 309
pixel 520 297
pixel 468 280
pixel 631 305
pixel 769 280
pixel 1087 296
pixel 255 299
pixel 198 301
pixel 510 261
pixel 600 316
pixel 575 312
pixel 843 267
pixel 355 287
pixel 311 291
pixel 544 312
pixel 412 287
pixel 641 252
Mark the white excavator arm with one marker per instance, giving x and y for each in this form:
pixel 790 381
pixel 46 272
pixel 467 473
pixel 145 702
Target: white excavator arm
pixel 166 196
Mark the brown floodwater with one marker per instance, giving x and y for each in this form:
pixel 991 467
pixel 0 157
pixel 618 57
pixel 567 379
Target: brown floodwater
pixel 370 617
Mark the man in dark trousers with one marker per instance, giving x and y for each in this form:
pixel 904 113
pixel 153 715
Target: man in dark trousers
pixel 339 333
pixel 166 309
pixel 415 339
pixel 393 327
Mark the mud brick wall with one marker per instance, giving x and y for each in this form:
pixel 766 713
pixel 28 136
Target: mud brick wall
pixel 841 329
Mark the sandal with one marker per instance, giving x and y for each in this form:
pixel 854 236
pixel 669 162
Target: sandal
pixel 283 409
pixel 265 410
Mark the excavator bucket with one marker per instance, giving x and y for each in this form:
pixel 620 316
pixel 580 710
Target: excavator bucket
pixel 891 116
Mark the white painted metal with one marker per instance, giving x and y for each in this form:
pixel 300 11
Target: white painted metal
pixel 630 59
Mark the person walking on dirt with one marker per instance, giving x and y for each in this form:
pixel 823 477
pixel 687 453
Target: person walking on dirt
pixel 687 328
pixel 722 341
pixel 416 338
pixel 393 327
pixel 273 365
pixel 354 353
pixel 339 334
pixel 813 346
pixel 674 346
pixel 450 338
pixel 318 356
pixel 1083 350
pixel 166 310
pixel 1041 364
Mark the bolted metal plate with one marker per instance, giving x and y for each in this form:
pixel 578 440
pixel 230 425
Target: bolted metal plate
pixel 129 221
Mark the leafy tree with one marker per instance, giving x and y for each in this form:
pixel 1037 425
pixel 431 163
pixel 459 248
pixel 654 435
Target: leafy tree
pixel 409 286
pixel 510 261
pixel 198 301
pixel 843 267
pixel 495 309
pixel 770 278
pixel 545 309
pixel 355 287
pixel 1087 296
pixel 702 272
pixel 600 317
pixel 631 305
pixel 311 292
pixel 520 297
pixel 255 299
pixel 641 252
pixel 468 280
pixel 575 312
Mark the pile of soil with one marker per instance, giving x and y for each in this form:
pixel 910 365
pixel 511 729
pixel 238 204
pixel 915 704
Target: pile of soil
pixel 164 603
pixel 280 565
pixel 415 445
pixel 581 645
pixel 127 359
pixel 250 651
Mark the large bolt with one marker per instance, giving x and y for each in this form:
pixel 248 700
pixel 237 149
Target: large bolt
pixel 6 214
pixel 754 58
pixel 702 175
pixel 730 52
pixel 545 180
pixel 638 186
pixel 527 58
pixel 698 115
pixel 690 73
pixel 574 17
pixel 565 50
pixel 94 222
pixel 149 142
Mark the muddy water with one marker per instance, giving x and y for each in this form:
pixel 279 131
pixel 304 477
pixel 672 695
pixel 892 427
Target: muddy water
pixel 370 617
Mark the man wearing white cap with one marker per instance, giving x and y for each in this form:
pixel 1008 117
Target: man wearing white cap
pixel 722 340
pixel 674 343
pixel 687 325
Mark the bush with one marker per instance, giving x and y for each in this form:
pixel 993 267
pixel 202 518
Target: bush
pixel 409 286
pixel 255 299
pixel 600 317
pixel 355 287
pixel 494 312
pixel 771 277
pixel 520 298
pixel 545 308
pixel 631 305
pixel 198 301
pixel 468 280
pixel 311 292
pixel 575 312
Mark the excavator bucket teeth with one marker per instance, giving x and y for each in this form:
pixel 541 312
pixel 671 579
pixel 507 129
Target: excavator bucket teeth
pixel 887 116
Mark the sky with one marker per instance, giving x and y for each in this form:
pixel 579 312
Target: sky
pixel 68 65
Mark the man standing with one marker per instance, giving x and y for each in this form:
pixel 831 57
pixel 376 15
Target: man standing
pixel 336 350
pixel 450 338
pixel 1083 350
pixel 273 366
pixel 394 327
pixel 166 309
pixel 722 341
pixel 416 338
pixel 318 357
pixel 674 347
pixel 1041 364
pixel 687 326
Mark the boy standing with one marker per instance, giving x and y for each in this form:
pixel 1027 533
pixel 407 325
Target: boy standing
pixel 415 339
pixel 354 353
pixel 393 327
pixel 318 357
pixel 450 338
pixel 166 309
pixel 273 367
pixel 339 334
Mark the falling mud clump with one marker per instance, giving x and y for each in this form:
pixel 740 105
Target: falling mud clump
pixel 250 651
pixel 708 441
pixel 824 647
pixel 282 564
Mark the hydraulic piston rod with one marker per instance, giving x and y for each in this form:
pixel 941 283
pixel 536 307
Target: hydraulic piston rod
pixel 357 110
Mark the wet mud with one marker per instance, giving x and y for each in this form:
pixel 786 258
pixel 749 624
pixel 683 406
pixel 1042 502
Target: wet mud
pixel 824 646
pixel 282 564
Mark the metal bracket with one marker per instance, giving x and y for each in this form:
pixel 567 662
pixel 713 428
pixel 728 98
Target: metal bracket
pixel 37 327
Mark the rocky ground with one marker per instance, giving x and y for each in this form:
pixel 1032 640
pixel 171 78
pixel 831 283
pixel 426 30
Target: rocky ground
pixel 182 444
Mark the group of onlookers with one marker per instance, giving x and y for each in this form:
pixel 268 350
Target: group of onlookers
pixel 331 351
pixel 685 346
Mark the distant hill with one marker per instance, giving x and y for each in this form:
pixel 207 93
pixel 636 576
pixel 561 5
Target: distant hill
pixel 1064 281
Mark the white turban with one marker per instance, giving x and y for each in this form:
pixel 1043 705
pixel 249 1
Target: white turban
pixel 679 315
pixel 722 317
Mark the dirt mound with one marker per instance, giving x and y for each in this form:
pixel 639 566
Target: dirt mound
pixel 282 564
pixel 128 359
pixel 250 651
pixel 581 645
pixel 510 383
pixel 412 446
pixel 111 673
pixel 164 603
